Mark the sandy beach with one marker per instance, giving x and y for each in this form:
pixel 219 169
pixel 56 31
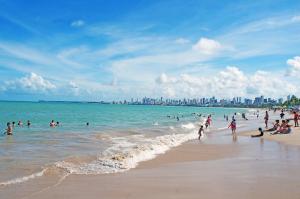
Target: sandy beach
pixel 218 167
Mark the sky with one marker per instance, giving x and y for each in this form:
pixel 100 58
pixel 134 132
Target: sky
pixel 120 49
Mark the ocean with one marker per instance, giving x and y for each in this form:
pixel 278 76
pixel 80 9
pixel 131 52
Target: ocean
pixel 117 139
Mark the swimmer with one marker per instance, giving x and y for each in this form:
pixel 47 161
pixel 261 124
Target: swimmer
pixel 52 123
pixel 20 123
pixel 28 123
pixel 57 124
pixel 9 130
pixel 87 124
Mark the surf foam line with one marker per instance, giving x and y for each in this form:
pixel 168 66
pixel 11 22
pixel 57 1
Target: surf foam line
pixel 125 155
pixel 24 178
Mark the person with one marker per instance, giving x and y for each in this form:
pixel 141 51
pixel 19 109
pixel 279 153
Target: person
pixel 87 124
pixel 200 132
pixel 232 125
pixel 227 118
pixel 266 118
pixel 282 114
pixel 206 124
pixel 9 130
pixel 13 124
pixel 177 118
pixel 28 123
pixel 296 118
pixel 57 123
pixel 52 123
pixel 20 123
pixel 209 120
pixel 284 128
pixel 259 135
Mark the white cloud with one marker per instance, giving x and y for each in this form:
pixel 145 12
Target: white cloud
pixel 78 23
pixel 294 64
pixel 230 82
pixel 207 46
pixel 32 83
pixel 182 41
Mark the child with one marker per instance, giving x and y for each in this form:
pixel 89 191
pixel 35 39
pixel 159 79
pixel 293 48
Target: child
pixel 201 131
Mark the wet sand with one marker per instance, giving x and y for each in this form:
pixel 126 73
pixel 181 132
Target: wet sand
pixel 214 168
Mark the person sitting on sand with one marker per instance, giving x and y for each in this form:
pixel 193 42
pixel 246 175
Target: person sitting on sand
pixel 232 125
pixel 274 128
pixel 284 128
pixel 200 132
pixel 9 130
pixel 259 135
pixel 52 123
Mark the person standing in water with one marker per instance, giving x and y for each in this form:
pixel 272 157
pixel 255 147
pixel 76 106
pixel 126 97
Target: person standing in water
pixel 266 118
pixel 28 123
pixel 232 125
pixel 9 130
pixel 200 132
pixel 20 123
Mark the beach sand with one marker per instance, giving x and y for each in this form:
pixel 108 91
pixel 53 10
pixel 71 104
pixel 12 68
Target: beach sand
pixel 194 170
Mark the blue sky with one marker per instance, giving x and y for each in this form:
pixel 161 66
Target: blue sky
pixel 110 50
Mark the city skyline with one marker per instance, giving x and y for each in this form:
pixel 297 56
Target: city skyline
pixel 91 50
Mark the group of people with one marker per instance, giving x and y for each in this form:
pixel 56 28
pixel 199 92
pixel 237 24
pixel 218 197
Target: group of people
pixel 10 125
pixel 284 128
pixel 278 128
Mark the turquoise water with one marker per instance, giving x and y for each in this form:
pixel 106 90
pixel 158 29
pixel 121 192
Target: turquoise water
pixel 132 132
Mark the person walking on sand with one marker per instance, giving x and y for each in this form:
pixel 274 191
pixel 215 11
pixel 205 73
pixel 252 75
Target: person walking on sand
pixel 232 125
pixel 266 118
pixel 200 132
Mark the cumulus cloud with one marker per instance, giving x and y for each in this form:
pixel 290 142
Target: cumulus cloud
pixel 30 83
pixel 230 82
pixel 77 23
pixel 207 46
pixel 294 66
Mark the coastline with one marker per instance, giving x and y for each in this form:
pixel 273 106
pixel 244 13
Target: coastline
pixel 189 170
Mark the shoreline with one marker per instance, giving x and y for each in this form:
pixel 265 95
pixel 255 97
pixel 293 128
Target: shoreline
pixel 191 163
